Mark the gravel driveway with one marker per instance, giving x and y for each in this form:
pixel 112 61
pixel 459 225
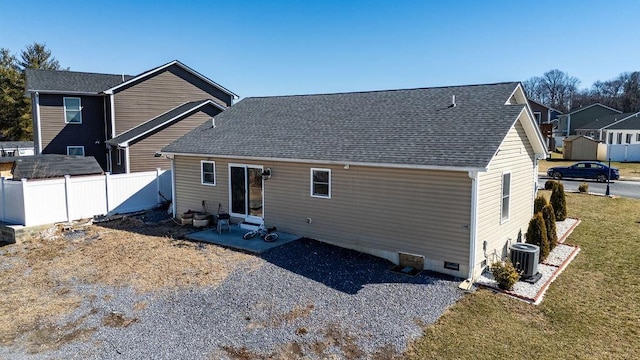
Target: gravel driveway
pixel 303 299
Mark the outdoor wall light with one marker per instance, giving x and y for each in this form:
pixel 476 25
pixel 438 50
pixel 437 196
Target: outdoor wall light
pixel 266 174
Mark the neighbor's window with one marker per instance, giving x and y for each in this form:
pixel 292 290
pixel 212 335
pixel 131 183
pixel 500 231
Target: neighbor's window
pixel 538 117
pixel 638 137
pixel 506 195
pixel 628 138
pixel 611 138
pixel 75 150
pixel 619 138
pixel 208 172
pixel 321 183
pixel 72 110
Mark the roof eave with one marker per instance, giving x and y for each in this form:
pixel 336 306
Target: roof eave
pixel 63 92
pixel 333 162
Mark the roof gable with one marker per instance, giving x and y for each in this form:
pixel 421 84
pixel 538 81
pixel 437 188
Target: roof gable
pixel 413 127
pixel 70 82
pixel 591 106
pixel 161 68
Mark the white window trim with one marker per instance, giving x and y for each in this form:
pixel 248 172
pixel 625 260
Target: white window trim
pixel 502 219
pixel 215 182
pixel 64 105
pixel 328 196
pixel 73 147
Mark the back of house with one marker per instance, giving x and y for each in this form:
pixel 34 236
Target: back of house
pixel 444 175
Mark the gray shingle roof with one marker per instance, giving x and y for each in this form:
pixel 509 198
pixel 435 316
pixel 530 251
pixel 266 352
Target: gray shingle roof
pixel 69 82
pixel 53 165
pixel 604 121
pixel 400 127
pixel 172 115
pixel 632 123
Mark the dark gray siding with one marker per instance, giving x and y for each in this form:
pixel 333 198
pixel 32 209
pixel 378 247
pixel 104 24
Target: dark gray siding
pixel 57 135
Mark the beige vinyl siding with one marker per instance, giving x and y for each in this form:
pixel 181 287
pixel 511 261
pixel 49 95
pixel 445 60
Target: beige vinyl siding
pixel 156 95
pixel 141 153
pixel 373 209
pixel 516 156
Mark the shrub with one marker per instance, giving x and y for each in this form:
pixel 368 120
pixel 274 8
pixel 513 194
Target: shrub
pixel 559 202
pixel 548 185
pixel 539 203
pixel 505 274
pixel 583 188
pixel 537 235
pixel 550 223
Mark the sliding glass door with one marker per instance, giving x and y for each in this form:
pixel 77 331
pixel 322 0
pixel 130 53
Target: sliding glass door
pixel 246 195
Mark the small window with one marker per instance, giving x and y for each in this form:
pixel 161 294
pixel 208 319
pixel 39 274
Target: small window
pixel 628 138
pixel 637 137
pixel 75 150
pixel 506 196
pixel 610 138
pixel 119 151
pixel 538 117
pixel 72 110
pixel 619 138
pixel 321 183
pixel 208 172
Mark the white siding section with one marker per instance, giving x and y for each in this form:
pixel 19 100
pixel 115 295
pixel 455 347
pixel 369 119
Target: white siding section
pixel 516 156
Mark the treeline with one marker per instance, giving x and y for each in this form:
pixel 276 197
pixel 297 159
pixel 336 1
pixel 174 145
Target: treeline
pixel 560 91
pixel 15 107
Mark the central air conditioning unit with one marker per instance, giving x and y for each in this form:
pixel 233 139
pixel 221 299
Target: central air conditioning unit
pixel 525 258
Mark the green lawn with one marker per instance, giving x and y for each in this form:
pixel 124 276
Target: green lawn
pixel 591 311
pixel 626 169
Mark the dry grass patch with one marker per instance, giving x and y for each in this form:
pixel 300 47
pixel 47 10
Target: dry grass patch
pixel 592 311
pixel 38 277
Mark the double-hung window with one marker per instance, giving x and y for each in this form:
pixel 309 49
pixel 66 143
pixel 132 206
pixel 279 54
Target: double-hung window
pixel 72 110
pixel 208 172
pixel 506 196
pixel 321 183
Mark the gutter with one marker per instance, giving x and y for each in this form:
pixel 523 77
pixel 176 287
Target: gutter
pixel 331 162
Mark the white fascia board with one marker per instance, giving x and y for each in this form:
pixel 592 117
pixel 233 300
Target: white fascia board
pixel 160 68
pixel 330 162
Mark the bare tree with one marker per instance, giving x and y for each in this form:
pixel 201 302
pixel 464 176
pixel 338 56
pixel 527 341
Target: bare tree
pixel 554 88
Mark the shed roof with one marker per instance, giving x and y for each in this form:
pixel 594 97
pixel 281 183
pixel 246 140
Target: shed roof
pixel 54 165
pixel 573 138
pixel 413 127
pixel 159 121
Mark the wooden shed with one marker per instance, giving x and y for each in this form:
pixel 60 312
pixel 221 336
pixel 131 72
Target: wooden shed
pixel 579 147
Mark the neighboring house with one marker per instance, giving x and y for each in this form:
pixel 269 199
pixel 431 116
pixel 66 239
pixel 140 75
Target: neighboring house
pixel 579 147
pixel 577 119
pixel 53 165
pixel 446 174
pixel 77 113
pixel 614 129
pixel 16 148
pixel 543 114
pixel 6 164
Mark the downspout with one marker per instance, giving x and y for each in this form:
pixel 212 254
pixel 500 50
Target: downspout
pixel 473 226
pixel 106 134
pixel 36 107
pixel 173 186
pixel 113 115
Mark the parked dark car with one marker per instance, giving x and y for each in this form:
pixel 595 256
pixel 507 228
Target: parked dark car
pixel 584 170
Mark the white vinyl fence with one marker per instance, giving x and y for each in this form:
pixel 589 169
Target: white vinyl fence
pixel 624 152
pixel 39 202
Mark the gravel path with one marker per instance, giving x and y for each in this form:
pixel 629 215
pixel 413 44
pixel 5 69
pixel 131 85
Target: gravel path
pixel 305 299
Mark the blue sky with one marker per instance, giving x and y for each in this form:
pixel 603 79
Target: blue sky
pixel 257 48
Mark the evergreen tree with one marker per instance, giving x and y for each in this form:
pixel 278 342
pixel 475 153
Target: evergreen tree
pixel 550 223
pixel 559 202
pixel 537 235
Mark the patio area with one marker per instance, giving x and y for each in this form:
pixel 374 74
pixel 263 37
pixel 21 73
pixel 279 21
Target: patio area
pixel 233 239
